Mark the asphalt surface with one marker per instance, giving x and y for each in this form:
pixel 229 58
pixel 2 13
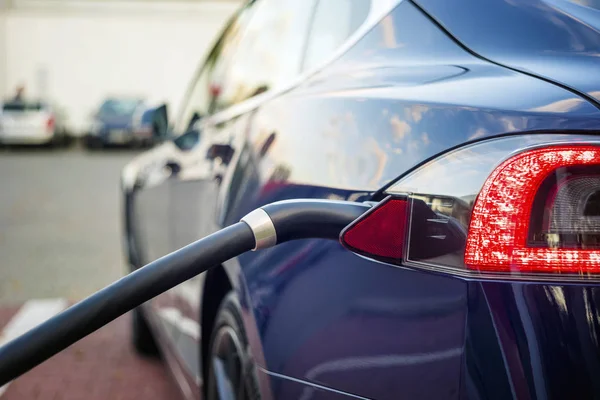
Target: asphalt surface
pixel 60 232
pixel 60 240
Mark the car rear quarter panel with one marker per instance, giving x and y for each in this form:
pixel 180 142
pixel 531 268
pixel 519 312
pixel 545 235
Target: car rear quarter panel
pixel 320 314
pixel 554 39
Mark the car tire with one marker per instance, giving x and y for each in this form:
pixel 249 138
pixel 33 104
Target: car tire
pixel 143 339
pixel 67 140
pixel 229 345
pixel 92 143
pixel 136 144
pixel 57 141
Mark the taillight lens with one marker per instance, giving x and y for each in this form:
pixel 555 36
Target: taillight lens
pixel 496 209
pixel 50 123
pixel 381 232
pixel 536 212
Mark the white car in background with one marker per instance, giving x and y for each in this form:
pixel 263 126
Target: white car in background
pixel 31 122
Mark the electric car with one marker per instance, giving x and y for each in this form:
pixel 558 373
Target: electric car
pixel 470 127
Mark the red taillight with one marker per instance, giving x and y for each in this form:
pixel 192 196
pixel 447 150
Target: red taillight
pixel 500 238
pixel 381 232
pixel 537 213
pixel 215 90
pixel 50 123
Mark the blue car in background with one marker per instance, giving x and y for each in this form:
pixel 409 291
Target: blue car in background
pixel 121 121
pixel 471 126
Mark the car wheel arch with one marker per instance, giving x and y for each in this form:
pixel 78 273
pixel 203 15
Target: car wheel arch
pixel 222 280
pixel 219 283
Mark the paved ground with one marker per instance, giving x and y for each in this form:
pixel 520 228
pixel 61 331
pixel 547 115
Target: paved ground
pixel 60 237
pixel 101 366
pixel 60 233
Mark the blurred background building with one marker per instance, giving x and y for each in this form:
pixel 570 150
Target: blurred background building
pixel 76 52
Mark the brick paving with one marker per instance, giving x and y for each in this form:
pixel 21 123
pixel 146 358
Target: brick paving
pixel 103 365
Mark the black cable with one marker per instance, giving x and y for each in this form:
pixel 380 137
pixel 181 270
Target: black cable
pixel 97 310
pixel 286 220
pixel 302 219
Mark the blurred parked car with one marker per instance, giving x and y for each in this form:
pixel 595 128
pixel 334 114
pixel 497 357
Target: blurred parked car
pixel 142 127
pixel 474 123
pixel 121 121
pixel 32 122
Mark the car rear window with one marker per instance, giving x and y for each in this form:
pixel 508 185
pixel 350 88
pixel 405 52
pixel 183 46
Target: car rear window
pixel 22 106
pixel 119 107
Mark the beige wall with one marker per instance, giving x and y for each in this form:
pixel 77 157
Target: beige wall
pixel 2 49
pixel 77 55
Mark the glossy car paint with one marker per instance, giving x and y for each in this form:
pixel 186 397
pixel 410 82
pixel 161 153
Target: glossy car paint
pixel 325 323
pixel 555 39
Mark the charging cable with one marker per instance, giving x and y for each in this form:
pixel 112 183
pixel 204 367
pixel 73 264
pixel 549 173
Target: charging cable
pixel 264 227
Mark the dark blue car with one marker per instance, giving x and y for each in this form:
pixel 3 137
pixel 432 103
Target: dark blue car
pixel 471 126
pixel 121 121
